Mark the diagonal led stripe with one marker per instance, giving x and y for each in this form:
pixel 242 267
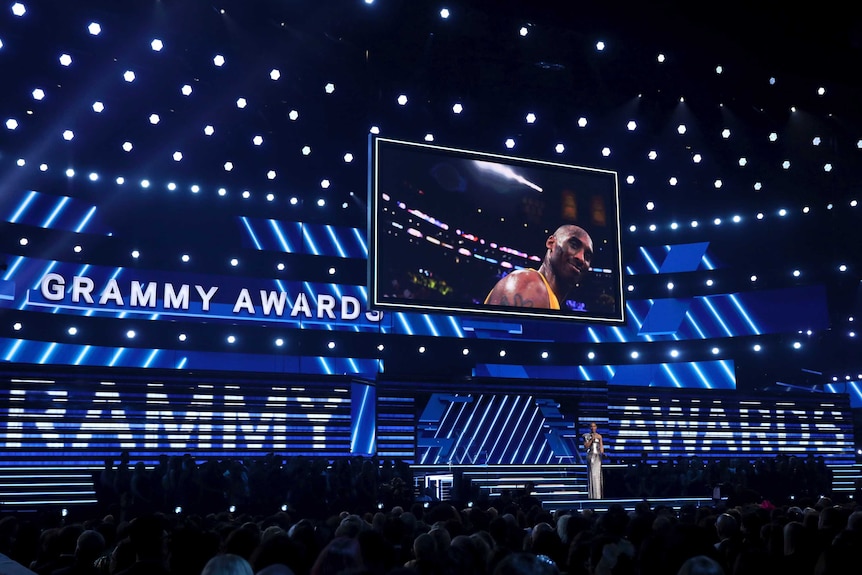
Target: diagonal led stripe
pixel 666 315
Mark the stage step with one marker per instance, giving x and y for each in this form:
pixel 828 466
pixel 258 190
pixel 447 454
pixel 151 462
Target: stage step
pixel 32 488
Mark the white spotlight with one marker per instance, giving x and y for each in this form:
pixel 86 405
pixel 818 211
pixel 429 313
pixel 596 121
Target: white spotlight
pixel 157 45
pixel 94 28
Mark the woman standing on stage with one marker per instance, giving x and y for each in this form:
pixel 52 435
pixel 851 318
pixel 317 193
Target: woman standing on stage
pixel 595 447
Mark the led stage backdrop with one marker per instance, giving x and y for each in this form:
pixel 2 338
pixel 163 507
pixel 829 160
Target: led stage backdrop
pixel 664 424
pixel 486 420
pixel 448 224
pixel 100 279
pixel 52 417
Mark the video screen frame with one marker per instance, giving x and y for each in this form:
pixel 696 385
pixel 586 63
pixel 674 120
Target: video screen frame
pixel 414 187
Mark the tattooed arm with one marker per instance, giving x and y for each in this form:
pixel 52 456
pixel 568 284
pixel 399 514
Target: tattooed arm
pixel 521 288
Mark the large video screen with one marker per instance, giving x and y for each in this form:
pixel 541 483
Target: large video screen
pixel 460 231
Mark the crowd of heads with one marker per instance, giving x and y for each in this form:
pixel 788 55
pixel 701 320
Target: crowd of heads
pixel 507 535
pixel 447 539
pixel 744 480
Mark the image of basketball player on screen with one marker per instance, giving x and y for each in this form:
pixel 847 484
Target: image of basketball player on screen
pixel 566 262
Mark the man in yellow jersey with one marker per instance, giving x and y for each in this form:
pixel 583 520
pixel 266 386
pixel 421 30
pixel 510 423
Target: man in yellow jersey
pixel 566 261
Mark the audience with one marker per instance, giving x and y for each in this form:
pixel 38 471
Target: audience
pixel 312 525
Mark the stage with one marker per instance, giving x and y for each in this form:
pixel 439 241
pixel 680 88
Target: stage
pixel 564 487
